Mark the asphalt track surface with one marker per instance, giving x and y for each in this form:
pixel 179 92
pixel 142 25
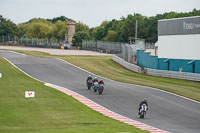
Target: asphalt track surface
pixel 166 111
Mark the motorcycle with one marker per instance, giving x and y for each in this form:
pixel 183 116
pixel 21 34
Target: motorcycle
pixel 100 89
pixel 142 111
pixel 89 84
pixel 95 86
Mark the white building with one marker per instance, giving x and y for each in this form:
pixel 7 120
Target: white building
pixel 179 38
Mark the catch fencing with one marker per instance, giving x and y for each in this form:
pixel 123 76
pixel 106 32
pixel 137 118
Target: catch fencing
pixel 103 47
pixel 129 52
pixel 123 50
pixel 155 72
pixel 33 42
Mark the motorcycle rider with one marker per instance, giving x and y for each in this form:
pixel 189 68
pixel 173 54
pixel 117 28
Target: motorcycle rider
pixel 95 80
pixel 89 78
pixel 143 102
pixel 101 82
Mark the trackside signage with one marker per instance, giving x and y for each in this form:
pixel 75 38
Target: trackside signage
pixel 0 75
pixel 29 94
pixel 179 26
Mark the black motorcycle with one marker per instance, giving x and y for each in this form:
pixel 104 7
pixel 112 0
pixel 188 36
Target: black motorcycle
pixel 100 88
pixel 89 84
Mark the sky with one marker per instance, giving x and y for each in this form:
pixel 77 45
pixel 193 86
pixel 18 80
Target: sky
pixel 90 12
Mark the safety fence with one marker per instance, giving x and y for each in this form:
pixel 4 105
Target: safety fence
pixel 154 72
pixel 103 47
pixel 33 42
pixel 129 52
pixel 124 50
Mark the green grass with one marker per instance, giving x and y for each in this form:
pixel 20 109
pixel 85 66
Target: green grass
pixel 50 111
pixel 104 66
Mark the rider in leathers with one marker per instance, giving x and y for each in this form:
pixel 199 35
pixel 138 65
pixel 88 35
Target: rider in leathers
pixel 89 78
pixel 143 102
pixel 101 82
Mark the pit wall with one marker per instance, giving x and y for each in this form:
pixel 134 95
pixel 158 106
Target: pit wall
pixel 157 72
pixel 146 60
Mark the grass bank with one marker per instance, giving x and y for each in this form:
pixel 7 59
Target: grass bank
pixel 104 66
pixel 50 111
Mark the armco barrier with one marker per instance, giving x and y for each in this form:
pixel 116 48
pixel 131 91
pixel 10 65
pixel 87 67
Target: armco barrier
pixel 155 72
pixel 126 64
pixel 173 74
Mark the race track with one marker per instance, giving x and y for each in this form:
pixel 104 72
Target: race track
pixel 166 111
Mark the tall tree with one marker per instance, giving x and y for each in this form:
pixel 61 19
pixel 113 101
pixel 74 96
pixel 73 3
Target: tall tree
pixel 112 36
pixel 40 29
pixel 7 27
pixel 81 27
pixel 79 36
pixel 60 29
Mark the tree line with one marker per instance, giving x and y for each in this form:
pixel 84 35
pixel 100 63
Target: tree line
pixel 114 30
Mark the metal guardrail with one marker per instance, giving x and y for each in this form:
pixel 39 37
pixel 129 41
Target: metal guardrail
pixel 126 64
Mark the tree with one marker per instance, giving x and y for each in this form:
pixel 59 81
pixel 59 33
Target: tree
pixel 81 27
pixel 60 29
pixel 61 18
pixel 112 36
pixel 7 27
pixel 78 37
pixel 40 29
pixel 99 33
pixel 125 27
pixel 22 29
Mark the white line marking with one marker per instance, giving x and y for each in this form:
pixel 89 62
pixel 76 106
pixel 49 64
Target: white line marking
pixel 128 83
pixel 108 112
pixel 22 70
pixel 107 79
pixel 75 94
pixel 114 80
pixel 14 52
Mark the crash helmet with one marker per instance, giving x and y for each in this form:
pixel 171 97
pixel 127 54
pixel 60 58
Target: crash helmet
pixel 90 76
pixel 101 80
pixel 95 78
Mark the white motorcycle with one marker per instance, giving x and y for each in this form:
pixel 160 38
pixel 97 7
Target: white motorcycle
pixel 143 110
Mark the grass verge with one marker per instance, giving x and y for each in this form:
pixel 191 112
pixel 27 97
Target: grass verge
pixel 104 66
pixel 50 111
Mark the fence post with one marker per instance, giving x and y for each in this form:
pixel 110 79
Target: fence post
pixel 3 38
pixel 15 40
